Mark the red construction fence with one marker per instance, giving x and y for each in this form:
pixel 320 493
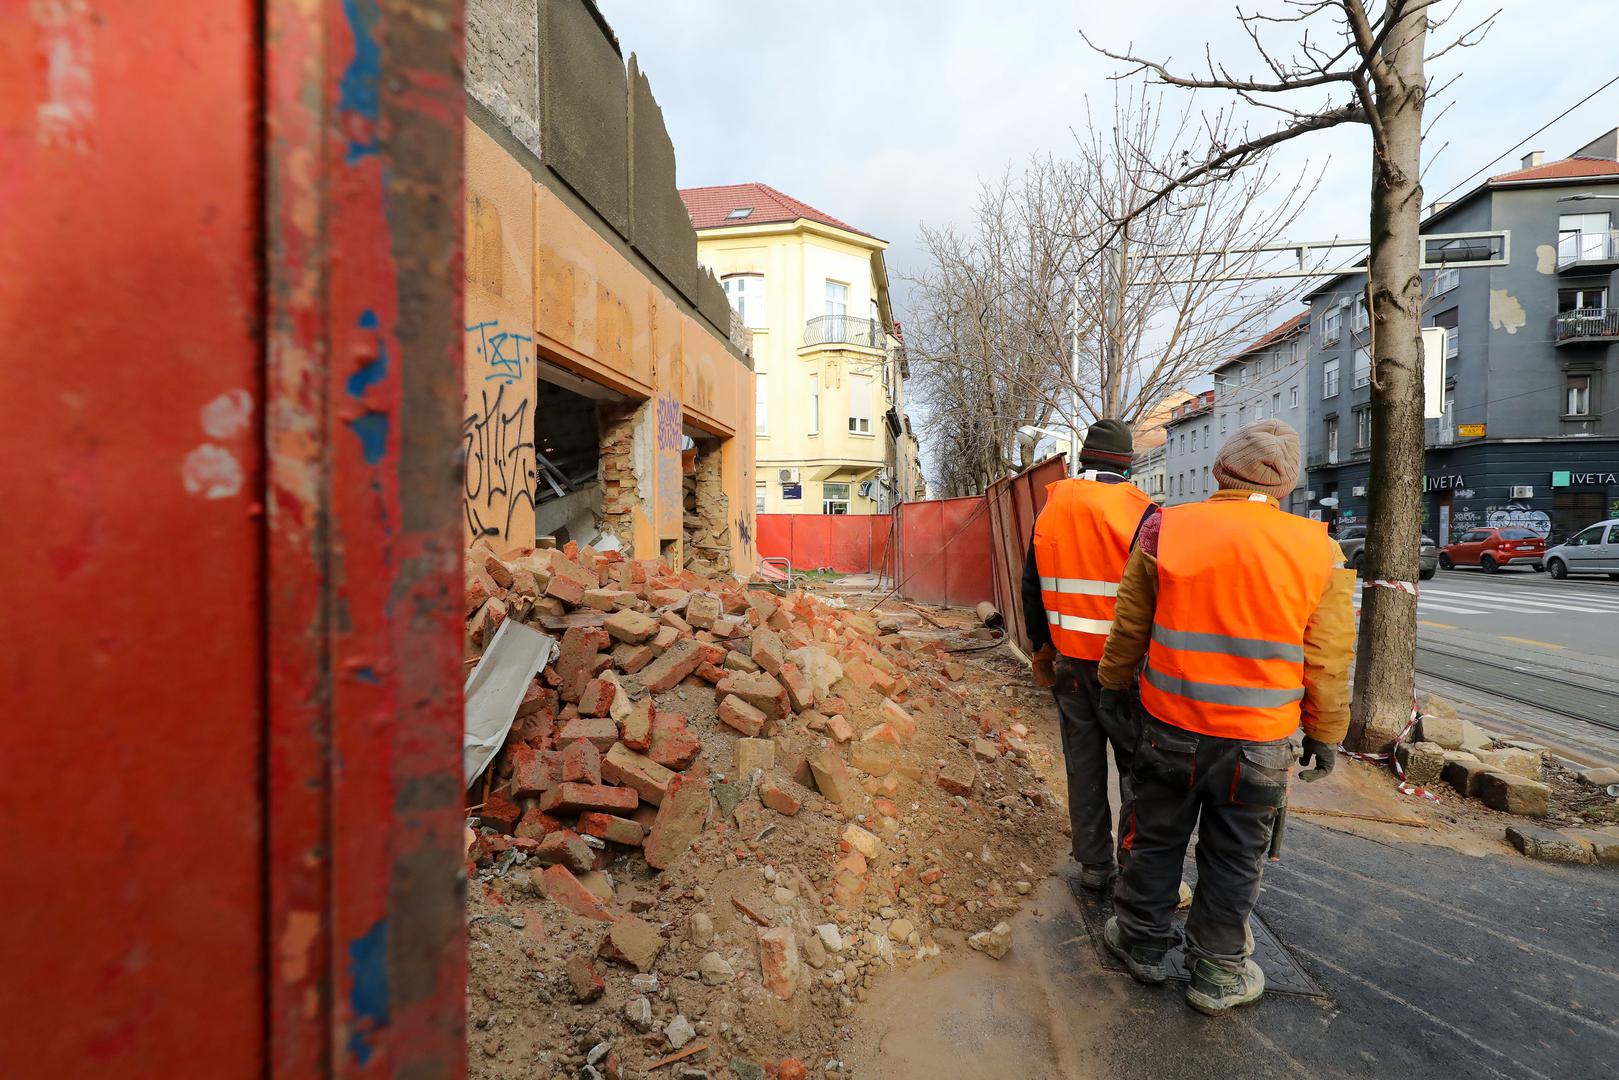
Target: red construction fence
pixel 956 552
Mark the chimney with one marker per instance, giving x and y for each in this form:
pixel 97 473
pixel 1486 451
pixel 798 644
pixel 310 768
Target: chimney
pixel 1439 205
pixel 1533 158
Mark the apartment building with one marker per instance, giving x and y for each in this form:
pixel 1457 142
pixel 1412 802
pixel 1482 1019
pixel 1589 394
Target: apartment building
pixel 831 434
pixel 1529 432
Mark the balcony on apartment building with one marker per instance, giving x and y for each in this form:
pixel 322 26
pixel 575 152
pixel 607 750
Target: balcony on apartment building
pixel 1585 326
pixel 844 330
pixel 1587 250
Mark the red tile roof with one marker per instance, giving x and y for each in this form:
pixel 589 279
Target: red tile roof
pixel 1566 169
pixel 1277 332
pixel 710 207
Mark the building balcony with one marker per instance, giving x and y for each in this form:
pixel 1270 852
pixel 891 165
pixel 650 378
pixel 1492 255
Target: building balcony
pixel 844 330
pixel 1440 432
pixel 1584 326
pixel 1587 251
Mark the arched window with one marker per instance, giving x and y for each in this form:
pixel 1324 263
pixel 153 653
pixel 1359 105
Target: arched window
pixel 747 295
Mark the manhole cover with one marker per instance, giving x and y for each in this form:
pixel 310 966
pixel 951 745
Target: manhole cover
pixel 1282 973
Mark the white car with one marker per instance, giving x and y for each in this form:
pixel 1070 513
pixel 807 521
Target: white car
pixel 1594 550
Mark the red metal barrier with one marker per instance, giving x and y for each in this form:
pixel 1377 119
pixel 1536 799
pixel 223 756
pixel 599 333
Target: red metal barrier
pixel 847 543
pixel 944 552
pixel 1014 503
pixel 232 816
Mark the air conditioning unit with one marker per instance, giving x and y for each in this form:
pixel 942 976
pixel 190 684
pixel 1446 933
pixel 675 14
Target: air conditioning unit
pixel 1359 490
pixel 1523 491
pixel 787 476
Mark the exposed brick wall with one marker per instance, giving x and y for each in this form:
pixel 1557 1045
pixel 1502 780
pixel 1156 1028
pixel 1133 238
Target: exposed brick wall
pixel 707 513
pixel 621 487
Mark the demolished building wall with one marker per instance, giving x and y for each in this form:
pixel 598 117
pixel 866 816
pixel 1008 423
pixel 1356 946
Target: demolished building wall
pixel 581 272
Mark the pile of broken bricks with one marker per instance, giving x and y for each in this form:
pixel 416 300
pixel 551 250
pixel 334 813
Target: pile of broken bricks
pixel 594 770
pixel 1505 775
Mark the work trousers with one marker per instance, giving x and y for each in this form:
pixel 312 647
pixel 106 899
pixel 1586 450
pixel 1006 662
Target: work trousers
pixel 1229 791
pixel 1085 739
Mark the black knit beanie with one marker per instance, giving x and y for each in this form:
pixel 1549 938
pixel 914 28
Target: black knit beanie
pixel 1108 445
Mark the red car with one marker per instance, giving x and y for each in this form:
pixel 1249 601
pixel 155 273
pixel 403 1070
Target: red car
pixel 1491 549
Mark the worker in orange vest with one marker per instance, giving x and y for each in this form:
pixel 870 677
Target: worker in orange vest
pixel 1243 614
pixel 1081 540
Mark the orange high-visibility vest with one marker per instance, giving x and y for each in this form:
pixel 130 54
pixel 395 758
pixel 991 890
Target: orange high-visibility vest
pixel 1081 541
pixel 1237 583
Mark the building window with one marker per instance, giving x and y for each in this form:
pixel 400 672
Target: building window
pixel 761 403
pixel 759 498
pixel 837 299
pixel 747 295
pixel 1577 399
pixel 1208 435
pixel 1329 379
pixel 1446 280
pixel 1359 318
pixel 1183 442
pixel 815 404
pixel 1582 238
pixel 1363 368
pixel 1295 402
pixel 1581 297
pixel 834 498
pixel 1205 479
pixel 1332 324
pixel 1276 404
pixel 1332 440
pixel 1242 416
pixel 860 404
pixel 1363 428
pixel 1453 341
pixel 1223 419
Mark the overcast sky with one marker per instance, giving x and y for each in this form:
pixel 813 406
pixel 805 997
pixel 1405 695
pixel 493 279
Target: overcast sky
pixel 886 113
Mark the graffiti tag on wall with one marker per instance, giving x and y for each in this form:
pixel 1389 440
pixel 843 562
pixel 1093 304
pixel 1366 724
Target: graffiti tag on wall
pixel 666 416
pixel 1512 515
pixel 501 471
pixel 506 353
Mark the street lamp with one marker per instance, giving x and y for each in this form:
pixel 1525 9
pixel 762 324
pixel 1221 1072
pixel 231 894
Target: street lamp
pixel 1033 432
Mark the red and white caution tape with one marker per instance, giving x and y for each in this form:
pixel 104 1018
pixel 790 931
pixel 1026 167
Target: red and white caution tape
pixel 1405 787
pixel 1397 586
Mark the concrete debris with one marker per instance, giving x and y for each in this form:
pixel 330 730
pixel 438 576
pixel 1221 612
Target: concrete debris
pixel 996 942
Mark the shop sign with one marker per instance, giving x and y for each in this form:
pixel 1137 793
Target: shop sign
pixel 1564 478
pixel 792 491
pixel 1470 431
pixel 1441 483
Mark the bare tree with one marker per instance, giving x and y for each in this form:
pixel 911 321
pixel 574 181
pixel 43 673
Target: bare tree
pixel 1012 325
pixel 1369 68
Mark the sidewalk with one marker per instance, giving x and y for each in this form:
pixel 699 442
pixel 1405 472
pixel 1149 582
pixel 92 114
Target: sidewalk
pixel 1434 962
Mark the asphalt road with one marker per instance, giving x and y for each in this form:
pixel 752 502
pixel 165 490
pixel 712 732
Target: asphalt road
pixel 1431 962
pixel 1540 655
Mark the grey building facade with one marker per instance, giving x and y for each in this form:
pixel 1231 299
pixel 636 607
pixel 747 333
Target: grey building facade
pixel 1529 434
pixel 1266 381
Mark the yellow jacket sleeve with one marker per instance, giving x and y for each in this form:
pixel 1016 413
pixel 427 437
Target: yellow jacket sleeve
pixel 1132 622
pixel 1329 645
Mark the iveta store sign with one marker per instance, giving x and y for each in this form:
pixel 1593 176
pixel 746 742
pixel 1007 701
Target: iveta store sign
pixel 1441 483
pixel 1573 479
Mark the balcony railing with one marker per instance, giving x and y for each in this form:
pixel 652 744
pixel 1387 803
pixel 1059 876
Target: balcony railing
pixel 1586 324
pixel 844 330
pixel 1441 432
pixel 1587 248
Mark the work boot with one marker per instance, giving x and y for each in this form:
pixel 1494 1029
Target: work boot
pixel 1097 876
pixel 1146 965
pixel 1217 987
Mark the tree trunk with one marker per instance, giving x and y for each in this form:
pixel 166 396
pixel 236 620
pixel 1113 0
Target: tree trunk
pixel 1386 653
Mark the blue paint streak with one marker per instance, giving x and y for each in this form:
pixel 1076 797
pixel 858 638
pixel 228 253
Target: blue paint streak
pixel 371 373
pixel 367 674
pixel 357 90
pixel 372 431
pixel 368 998
pixel 369 320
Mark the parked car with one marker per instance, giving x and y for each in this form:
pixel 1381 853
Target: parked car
pixel 1594 550
pixel 1491 549
pixel 1352 538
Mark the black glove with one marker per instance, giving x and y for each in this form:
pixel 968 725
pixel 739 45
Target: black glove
pixel 1325 756
pixel 1114 707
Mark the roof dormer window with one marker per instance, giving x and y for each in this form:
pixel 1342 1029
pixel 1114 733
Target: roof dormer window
pixel 739 213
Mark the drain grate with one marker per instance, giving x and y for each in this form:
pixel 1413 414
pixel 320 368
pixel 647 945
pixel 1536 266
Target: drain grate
pixel 1282 973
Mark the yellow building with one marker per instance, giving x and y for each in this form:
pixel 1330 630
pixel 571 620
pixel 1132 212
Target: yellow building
pixel 829 407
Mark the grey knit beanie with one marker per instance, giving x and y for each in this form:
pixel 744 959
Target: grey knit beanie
pixel 1264 456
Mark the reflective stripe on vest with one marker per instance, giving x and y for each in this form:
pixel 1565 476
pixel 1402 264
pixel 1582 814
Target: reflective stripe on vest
pixel 1081 541
pixel 1238 581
